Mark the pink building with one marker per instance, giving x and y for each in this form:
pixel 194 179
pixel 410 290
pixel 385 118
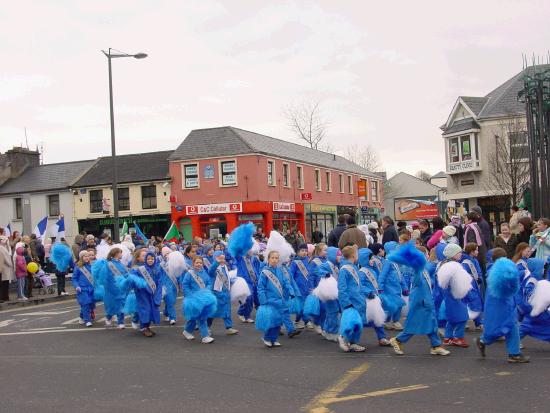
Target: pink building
pixel 222 177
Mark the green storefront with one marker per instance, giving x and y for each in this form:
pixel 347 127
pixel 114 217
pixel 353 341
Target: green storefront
pixel 149 224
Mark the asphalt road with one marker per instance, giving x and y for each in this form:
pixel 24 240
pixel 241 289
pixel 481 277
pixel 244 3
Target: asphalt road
pixel 51 364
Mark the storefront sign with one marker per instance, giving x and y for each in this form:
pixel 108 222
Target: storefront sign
pixel 350 210
pixel 209 172
pixel 362 188
pixel 329 209
pixel 461 166
pixel 306 196
pixel 284 206
pixel 213 209
pixel 139 219
pixel 413 209
pixel 369 211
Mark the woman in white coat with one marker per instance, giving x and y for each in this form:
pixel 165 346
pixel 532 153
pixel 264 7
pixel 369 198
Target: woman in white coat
pixel 7 273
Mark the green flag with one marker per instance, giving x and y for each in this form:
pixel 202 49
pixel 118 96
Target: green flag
pixel 124 231
pixel 173 233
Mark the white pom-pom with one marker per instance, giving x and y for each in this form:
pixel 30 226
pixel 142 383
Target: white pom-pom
pixel 375 312
pixel 540 299
pixel 472 315
pixel 126 254
pixel 102 250
pixel 452 275
pixel 176 264
pixel 232 274
pixel 239 290
pixel 327 289
pixel 278 243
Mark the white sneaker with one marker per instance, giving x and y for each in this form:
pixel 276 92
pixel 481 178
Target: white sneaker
pixel 332 337
pixel 207 340
pixel 242 319
pixel 396 346
pixel 172 322
pixel 166 318
pixel 108 323
pixel 267 343
pixel 310 325
pixel 89 324
pixel 121 326
pixel 397 326
pixel 80 321
pixel 343 344
pixel 439 351
pixel 64 293
pixel 276 344
pixel 300 325
pixel 249 320
pixel 135 326
pixel 187 335
pixel 388 325
pixel 356 348
pixel 318 330
pixel 231 331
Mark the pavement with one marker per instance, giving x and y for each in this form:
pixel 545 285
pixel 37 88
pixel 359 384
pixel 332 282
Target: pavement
pixel 40 295
pixel 51 363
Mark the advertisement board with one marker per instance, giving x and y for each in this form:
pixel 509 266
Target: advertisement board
pixel 413 209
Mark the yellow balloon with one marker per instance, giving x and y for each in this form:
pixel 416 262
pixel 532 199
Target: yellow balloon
pixel 32 267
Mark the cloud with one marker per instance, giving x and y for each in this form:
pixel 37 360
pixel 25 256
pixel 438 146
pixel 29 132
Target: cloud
pixel 16 86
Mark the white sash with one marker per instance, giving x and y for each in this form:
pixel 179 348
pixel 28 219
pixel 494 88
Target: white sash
pixel 317 261
pixel 145 274
pixel 399 273
pixel 302 269
pixel 371 277
pixel 206 263
pixel 87 274
pixel 113 268
pixel 353 273
pixel 378 263
pixel 173 279
pixel 285 272
pixel 250 269
pixel 335 270
pixel 273 278
pixel 472 268
pixel 197 279
pixel 428 279
pixel 222 279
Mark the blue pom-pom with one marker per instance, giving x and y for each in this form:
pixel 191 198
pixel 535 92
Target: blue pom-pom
pixel 267 317
pixel 350 323
pixel 391 303
pixel 199 304
pixel 295 306
pixel 312 306
pixel 130 306
pixel 61 256
pixel 503 279
pixel 240 241
pixel 536 267
pixel 409 255
pixel 99 293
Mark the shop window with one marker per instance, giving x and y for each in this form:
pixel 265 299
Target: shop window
pixel 53 205
pixel 149 197
pixel 228 171
pixel 454 156
pixel 329 183
pixel 300 176
pixel 123 199
pixel 96 200
pixel 317 180
pixel 465 148
pixel 341 183
pixel 350 184
pixel 286 177
pixel 284 222
pixel 190 176
pixel 271 173
pixel 519 147
pixel 374 191
pixel 18 208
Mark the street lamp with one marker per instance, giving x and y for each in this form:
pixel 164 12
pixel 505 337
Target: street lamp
pixel 110 55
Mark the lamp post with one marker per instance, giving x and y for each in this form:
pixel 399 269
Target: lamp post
pixel 110 55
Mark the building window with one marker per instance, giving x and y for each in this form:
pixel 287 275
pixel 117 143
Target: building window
pixel 454 156
pixel 374 191
pixel 341 183
pixel 350 184
pixel 317 180
pixel 18 208
pixel 286 177
pixel 465 148
pixel 190 176
pixel 228 172
pixel 123 199
pixel 329 183
pixel 96 200
pixel 271 173
pixel 53 205
pixel 149 197
pixel 519 147
pixel 300 175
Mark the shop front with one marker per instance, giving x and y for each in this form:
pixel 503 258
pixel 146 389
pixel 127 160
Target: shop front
pixel 320 217
pixel 369 214
pixel 149 224
pixel 217 220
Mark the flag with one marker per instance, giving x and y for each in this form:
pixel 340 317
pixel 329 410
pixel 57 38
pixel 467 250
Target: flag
pixel 59 228
pixel 173 233
pixel 124 231
pixel 139 233
pixel 40 229
pixel 7 230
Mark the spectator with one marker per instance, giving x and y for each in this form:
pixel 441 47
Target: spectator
pixel 472 233
pixel 373 231
pixel 89 242
pixel 457 223
pixel 425 231
pixel 485 228
pixel 540 240
pixel 390 234
pixel 7 273
pixel 21 273
pixel 525 229
pixel 515 216
pixel 506 240
pixel 336 233
pixel 290 237
pixel 317 236
pixel 77 246
pixel 401 227
pixel 14 239
pixel 352 235
pixel 300 239
pixel 40 252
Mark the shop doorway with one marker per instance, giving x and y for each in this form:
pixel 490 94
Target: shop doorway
pixel 213 226
pixel 186 229
pixel 325 223
pixel 284 222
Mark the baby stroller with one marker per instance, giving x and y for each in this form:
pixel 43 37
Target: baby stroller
pixel 43 282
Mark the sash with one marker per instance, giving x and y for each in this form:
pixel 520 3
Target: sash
pixel 399 273
pixel 353 273
pixel 273 278
pixel 174 280
pixel 222 279
pixel 371 277
pixel 207 263
pixel 113 268
pixel 285 273
pixel 250 269
pixel 145 274
pixel 197 279
pixel 428 279
pixel 302 269
pixel 378 263
pixel 317 261
pixel 472 268
pixel 335 270
pixel 87 274
pixel 525 267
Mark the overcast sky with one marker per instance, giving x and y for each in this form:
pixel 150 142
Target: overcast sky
pixel 386 73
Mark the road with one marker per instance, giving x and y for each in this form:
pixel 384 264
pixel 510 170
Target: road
pixel 52 364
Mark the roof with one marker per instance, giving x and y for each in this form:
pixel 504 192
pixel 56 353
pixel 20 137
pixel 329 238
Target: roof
pixel 47 177
pixel 230 141
pixel 438 175
pixel 475 103
pixel 138 167
pixel 404 185
pixel 461 125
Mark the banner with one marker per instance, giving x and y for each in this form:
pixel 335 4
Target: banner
pixel 413 209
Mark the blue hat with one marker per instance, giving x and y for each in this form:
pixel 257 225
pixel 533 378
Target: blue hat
pixel 364 255
pixel 218 253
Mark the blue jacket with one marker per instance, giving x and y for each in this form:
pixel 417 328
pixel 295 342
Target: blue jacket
pixel 148 299
pixel 421 318
pixel 391 280
pixel 304 284
pixel 221 291
pixel 268 293
pixel 314 275
pixel 189 285
pixel 474 298
pixel 115 288
pixel 286 272
pixel 86 296
pixel 351 290
pixel 539 326
pixel 242 270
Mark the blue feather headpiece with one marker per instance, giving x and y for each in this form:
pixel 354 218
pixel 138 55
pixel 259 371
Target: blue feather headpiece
pixel 503 279
pixel 61 256
pixel 408 254
pixel 241 240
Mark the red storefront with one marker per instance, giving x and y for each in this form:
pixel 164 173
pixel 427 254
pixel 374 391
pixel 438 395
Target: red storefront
pixel 211 220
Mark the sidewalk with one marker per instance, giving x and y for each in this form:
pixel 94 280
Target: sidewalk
pixel 39 298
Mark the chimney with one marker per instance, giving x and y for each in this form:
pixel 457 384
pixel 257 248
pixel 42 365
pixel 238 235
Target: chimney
pixel 15 161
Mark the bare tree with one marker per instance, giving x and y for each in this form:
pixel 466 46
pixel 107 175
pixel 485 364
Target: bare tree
pixel 508 161
pixel 425 176
pixel 364 156
pixel 307 123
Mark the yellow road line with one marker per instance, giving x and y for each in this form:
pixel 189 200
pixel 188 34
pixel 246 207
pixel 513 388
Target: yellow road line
pixel 377 393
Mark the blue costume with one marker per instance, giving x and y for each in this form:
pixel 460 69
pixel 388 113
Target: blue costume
pixel 535 326
pixel 314 279
pixel 170 285
pixel 115 284
pixel 220 283
pixel 287 321
pixel 392 286
pixel 332 307
pixel 350 294
pixel 456 312
pixel 474 299
pixel 147 282
pixel 299 270
pixel 248 268
pixel 193 283
pixel 83 279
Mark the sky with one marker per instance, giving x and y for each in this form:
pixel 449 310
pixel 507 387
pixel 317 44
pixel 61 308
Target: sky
pixel 386 74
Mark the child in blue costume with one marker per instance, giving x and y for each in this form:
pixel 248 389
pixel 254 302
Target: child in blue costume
pixel 501 316
pixel 274 290
pixel 248 267
pixel 83 283
pixel 147 280
pixel 220 283
pixel 370 288
pixel 534 325
pixel 378 257
pixel 392 287
pixel 332 307
pixel 474 300
pixel 319 257
pixel 299 271
pixel 290 327
pixel 208 257
pixel 171 285
pixel 421 319
pixel 112 274
pixel 196 286
pixel 350 295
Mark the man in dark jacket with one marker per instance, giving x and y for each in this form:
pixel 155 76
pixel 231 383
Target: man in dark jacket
pixel 425 231
pixel 390 233
pixel 352 236
pixel 317 236
pixel 336 233
pixel 484 227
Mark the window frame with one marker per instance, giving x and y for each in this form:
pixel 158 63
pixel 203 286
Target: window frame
pixel 221 173
pixel 300 176
pixel 58 212
pixel 350 184
pixel 143 198
pixel 184 175
pixel 100 201
pixel 341 183
pixel 120 208
pixel 286 175
pixel 272 173
pixel 374 188
pixel 318 180
pixel 18 209
pixel 524 145
pixel 328 178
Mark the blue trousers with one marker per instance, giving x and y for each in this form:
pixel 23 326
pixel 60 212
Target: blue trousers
pixel 170 310
pixel 395 317
pixel 287 321
pixel 353 338
pixel 227 321
pixel 272 335
pixel 455 330
pixel 380 332
pixel 300 316
pixel 512 341
pixel 251 301
pixel 332 323
pixel 119 317
pixel 86 312
pixel 435 341
pixel 203 326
